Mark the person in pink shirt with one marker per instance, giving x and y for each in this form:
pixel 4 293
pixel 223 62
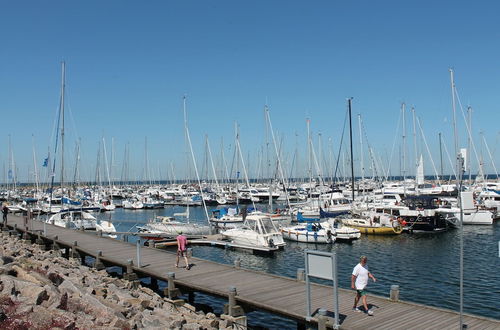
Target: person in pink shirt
pixel 182 249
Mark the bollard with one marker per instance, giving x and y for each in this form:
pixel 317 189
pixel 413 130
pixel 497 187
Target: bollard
pixel 189 252
pixel 394 294
pixel 322 319
pixel 301 274
pixel 237 263
pixel 99 233
pixel 97 262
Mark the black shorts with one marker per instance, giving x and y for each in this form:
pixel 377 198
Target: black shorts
pixel 181 253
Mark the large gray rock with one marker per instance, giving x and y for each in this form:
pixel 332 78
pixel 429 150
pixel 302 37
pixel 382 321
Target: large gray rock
pixel 71 288
pixel 98 309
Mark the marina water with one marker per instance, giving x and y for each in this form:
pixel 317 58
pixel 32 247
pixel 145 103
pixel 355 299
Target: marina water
pixel 426 266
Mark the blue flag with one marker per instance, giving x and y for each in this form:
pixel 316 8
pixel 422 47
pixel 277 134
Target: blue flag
pixel 10 174
pixel 46 162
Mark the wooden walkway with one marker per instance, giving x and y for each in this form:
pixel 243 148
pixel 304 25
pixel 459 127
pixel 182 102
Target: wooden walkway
pixel 257 290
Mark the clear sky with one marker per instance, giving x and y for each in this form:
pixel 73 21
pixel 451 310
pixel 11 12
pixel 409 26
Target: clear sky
pixel 130 62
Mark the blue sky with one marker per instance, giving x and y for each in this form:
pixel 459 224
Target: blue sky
pixel 129 63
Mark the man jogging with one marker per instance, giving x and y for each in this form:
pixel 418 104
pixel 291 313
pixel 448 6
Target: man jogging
pixel 359 281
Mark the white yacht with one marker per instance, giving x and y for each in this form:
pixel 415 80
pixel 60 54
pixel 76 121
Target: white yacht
pixel 258 230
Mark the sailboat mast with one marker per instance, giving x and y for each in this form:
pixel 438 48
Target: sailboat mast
pixel 362 165
pixel 403 107
pixel 415 142
pixel 459 165
pixel 349 101
pixel 63 85
pixel 469 140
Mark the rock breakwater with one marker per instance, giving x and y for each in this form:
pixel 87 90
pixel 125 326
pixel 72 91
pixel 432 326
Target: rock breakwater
pixel 42 290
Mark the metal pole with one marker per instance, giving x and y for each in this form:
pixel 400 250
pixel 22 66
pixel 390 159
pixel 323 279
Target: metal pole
pixel 349 101
pixel 335 289
pixel 441 155
pixel 308 291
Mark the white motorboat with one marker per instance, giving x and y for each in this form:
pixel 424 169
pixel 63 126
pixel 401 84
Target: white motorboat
pixel 258 230
pixel 171 226
pixel 77 219
pixel 309 233
pixel 226 218
pixel 343 233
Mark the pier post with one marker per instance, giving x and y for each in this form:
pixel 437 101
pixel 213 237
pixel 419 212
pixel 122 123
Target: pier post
pixel 74 253
pixel 301 274
pixel 97 262
pixel 55 246
pixel 99 233
pixel 124 238
pixel 40 242
pixel 14 231
pixel 26 237
pixel 171 292
pixel 189 252
pixel 237 263
pixel 130 275
pixel 232 312
pixel 394 294
pixel 322 319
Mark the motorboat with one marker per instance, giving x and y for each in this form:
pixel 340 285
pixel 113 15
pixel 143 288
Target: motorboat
pixel 78 219
pixel 226 218
pixel 171 226
pixel 309 233
pixel 258 230
pixel 371 223
pixel 343 233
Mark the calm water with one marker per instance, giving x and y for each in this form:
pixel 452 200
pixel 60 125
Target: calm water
pixel 426 267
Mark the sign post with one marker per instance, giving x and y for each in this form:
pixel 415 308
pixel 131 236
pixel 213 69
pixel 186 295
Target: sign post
pixel 322 265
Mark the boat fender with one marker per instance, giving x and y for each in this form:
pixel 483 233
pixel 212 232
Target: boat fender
pixel 271 243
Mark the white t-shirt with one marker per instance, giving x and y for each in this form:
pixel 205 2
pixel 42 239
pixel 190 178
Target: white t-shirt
pixel 361 274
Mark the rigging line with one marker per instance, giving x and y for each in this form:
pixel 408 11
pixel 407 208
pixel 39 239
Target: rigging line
pixel 427 147
pixel 370 150
pixel 489 153
pixel 340 145
pixel 393 147
pixel 468 129
pixel 449 158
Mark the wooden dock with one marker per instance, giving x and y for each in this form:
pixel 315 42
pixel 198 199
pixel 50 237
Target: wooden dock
pixel 255 290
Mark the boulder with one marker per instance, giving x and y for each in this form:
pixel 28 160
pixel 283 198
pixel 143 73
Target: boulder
pixel 71 288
